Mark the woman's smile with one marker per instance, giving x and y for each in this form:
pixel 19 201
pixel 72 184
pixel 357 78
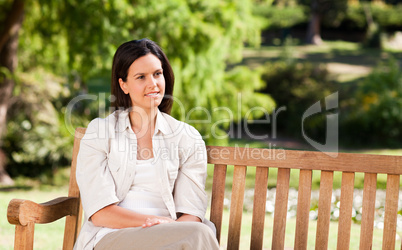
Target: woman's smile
pixel 145 82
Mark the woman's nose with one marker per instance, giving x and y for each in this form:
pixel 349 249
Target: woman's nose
pixel 153 81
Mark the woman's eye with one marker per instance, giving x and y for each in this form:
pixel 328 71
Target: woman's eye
pixel 140 77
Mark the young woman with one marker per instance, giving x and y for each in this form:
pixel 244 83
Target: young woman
pixel 141 173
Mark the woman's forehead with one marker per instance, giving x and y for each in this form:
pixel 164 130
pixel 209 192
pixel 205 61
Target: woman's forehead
pixel 146 63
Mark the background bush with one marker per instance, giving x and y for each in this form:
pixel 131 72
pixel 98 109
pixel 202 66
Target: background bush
pixel 374 115
pixel 297 86
pixel 37 139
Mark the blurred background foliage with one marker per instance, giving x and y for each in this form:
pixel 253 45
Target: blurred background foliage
pixel 66 50
pixel 375 114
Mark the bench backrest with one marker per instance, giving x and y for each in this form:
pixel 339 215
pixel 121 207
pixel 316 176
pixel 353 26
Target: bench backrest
pixel 285 160
pixel 306 162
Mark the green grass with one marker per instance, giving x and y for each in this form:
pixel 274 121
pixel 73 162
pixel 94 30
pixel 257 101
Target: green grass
pixel 48 236
pixel 290 234
pixel 347 62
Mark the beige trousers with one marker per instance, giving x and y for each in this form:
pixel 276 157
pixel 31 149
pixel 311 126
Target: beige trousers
pixel 178 235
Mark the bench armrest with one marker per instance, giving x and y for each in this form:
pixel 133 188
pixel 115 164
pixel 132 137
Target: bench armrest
pixel 21 212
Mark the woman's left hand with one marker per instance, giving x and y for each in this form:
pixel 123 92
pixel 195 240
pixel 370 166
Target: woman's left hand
pixel 149 222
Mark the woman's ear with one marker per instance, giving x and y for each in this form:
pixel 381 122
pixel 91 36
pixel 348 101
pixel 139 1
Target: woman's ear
pixel 123 86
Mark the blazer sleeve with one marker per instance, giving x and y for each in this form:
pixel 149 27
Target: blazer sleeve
pixel 189 190
pixel 94 179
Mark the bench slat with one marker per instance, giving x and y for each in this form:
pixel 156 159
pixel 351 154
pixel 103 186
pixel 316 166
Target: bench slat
pixel 303 209
pixel 281 208
pixel 218 196
pixel 391 211
pixel 260 200
pixel 236 206
pixel 345 210
pixel 324 210
pixel 294 159
pixel 369 192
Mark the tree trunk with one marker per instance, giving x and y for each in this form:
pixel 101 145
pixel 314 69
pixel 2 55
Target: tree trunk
pixel 313 32
pixel 8 60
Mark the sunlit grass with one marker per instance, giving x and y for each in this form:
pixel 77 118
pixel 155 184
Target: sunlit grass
pixel 290 233
pixel 49 236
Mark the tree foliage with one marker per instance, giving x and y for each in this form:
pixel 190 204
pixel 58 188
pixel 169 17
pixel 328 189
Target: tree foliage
pixel 70 44
pixel 280 16
pixel 375 116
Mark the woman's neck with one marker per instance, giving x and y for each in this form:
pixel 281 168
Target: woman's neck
pixel 143 121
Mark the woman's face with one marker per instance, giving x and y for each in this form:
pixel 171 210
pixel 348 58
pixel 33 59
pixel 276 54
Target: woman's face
pixel 145 82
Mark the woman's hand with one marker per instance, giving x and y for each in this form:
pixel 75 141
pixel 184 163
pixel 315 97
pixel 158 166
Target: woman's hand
pixel 149 222
pixel 188 217
pixel 114 216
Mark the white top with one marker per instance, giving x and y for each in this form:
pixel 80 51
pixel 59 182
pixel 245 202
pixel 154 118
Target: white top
pixel 106 167
pixel 143 197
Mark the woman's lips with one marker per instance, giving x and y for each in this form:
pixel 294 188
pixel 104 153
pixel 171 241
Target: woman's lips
pixel 153 94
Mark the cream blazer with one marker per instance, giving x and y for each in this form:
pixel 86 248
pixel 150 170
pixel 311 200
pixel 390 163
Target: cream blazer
pixel 106 166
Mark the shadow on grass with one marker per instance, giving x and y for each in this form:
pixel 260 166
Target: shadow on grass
pixel 16 188
pixel 331 52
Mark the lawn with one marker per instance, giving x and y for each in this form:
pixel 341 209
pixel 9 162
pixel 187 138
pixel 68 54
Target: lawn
pixel 50 236
pixel 290 234
pixel 346 61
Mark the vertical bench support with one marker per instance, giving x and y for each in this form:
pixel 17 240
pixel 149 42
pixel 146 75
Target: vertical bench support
pixel 24 236
pixel 236 206
pixel 260 200
pixel 345 211
pixel 281 208
pixel 303 209
pixel 218 196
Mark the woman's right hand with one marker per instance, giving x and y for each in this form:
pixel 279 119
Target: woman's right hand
pixel 151 221
pixel 113 216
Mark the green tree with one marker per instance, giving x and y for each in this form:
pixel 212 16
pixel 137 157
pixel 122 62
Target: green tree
pixel 75 40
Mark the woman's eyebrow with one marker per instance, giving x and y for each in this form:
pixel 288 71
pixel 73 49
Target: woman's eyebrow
pixel 139 73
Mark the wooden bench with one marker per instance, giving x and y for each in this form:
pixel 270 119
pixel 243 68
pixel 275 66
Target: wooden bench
pixel 24 214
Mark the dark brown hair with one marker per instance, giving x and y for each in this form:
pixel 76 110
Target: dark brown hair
pixel 125 55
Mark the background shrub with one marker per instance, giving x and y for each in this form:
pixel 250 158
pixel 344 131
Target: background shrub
pixel 297 86
pixel 375 115
pixel 38 141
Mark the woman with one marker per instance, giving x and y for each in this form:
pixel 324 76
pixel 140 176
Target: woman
pixel 141 173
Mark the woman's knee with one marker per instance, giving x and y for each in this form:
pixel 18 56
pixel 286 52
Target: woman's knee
pixel 197 226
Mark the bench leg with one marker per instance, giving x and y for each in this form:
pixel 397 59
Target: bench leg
pixel 24 237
